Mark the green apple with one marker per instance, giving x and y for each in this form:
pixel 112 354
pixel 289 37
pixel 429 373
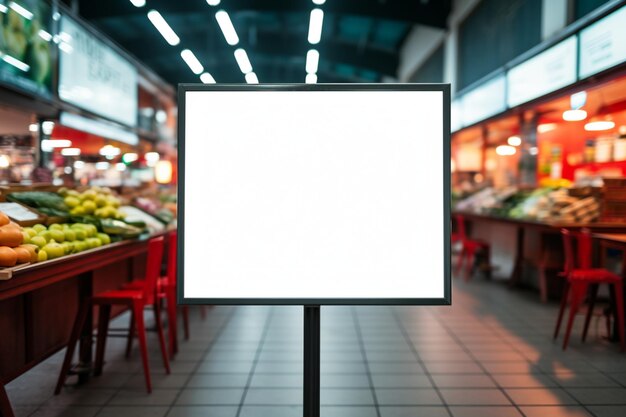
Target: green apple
pixel 89 206
pixel 26 237
pixel 104 238
pixel 55 226
pixel 80 245
pixel 46 234
pixel 67 247
pixel 58 235
pixel 31 232
pixel 81 234
pixel 54 250
pixel 71 202
pixel 39 228
pixel 42 256
pixel 40 241
pixel 70 235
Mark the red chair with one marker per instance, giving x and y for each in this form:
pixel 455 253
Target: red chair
pixel 581 276
pixel 136 300
pixel 469 247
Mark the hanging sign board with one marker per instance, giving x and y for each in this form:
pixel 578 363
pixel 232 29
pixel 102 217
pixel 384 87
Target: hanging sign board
pixel 549 71
pixel 314 194
pixel 94 77
pixel 602 44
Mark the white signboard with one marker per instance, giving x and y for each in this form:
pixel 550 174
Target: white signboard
pixel 603 44
pixel 484 101
pixel 549 71
pixel 314 194
pixel 94 77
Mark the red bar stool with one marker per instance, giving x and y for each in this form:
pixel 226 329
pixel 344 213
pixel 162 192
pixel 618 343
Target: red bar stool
pixel 136 300
pixel 469 247
pixel 580 276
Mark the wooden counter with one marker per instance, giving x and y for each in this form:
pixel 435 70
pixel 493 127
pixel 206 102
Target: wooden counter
pixel 517 242
pixel 39 303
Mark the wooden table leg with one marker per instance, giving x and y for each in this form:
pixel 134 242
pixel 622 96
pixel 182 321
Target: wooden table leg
pixel 516 274
pixel 5 405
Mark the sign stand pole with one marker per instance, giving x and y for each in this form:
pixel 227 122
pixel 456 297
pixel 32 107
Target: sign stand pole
pixel 312 344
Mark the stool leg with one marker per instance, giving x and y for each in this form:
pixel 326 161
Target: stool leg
pixel 559 319
pixel 131 333
pixel 619 312
pixel 592 302
pixel 172 322
pixel 104 315
pixel 459 261
pixel 143 346
pixel 159 325
pixel 186 321
pixel 578 293
pixel 71 345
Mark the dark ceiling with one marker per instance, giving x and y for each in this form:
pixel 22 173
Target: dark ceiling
pixel 360 38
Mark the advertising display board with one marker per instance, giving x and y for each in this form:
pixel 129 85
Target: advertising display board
pixel 314 194
pixel 95 77
pixel 26 46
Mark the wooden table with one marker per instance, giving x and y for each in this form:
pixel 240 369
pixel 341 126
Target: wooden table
pixel 39 303
pixel 547 234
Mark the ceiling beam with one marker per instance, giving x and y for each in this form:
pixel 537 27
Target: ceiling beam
pixel 430 13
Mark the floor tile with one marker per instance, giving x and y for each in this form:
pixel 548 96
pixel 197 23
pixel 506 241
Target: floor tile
pixel 66 411
pixel 202 411
pixel 416 396
pixel 466 396
pixel 401 381
pixel 392 411
pixel 343 396
pixel 559 411
pixel 347 411
pixel 540 396
pixel 215 396
pixel 599 396
pixel 218 380
pixel 494 411
pixel 463 381
pixel 274 396
pixel 271 411
pixel 143 411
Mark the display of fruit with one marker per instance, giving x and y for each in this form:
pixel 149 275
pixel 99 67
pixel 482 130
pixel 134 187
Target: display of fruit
pixel 95 201
pixel 40 243
pixel 11 237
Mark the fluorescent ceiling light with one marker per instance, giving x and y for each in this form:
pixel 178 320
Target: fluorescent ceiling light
pixel 207 78
pixel 315 26
pixel 164 29
pixel 70 151
pixel 505 150
pixel 514 141
pixel 138 3
pixel 251 78
pixel 227 27
pixel 599 125
pixel 242 60
pixel 3 8
pixel 25 13
pixel 109 150
pixel 546 127
pixel 16 63
pixel 311 79
pixel 192 61
pixel 47 127
pixel 130 157
pixel 55 143
pixel 5 161
pixel 33 127
pixel 213 2
pixel 44 35
pixel 319 2
pixel 312 59
pixel 161 116
pixel 574 115
pixel 152 158
pixel 101 166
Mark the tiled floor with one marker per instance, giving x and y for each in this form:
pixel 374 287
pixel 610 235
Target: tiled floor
pixel 490 354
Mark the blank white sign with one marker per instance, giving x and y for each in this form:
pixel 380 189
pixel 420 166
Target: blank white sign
pixel 322 197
